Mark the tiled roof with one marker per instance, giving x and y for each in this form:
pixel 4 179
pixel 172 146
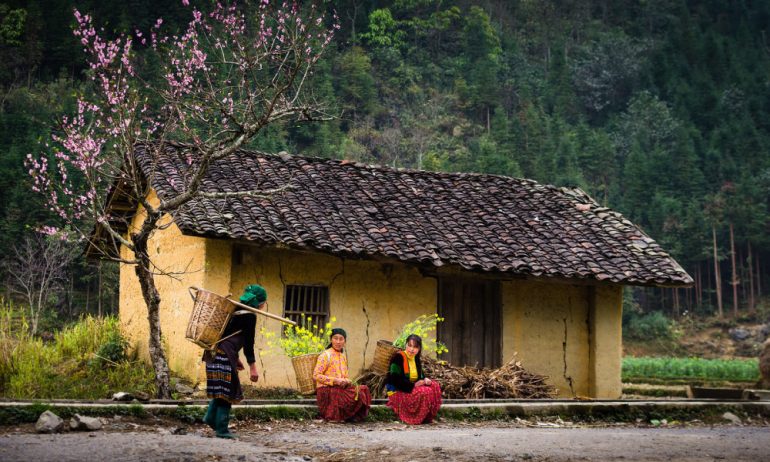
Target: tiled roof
pixel 485 223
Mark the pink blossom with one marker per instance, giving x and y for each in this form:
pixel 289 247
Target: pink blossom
pixel 208 81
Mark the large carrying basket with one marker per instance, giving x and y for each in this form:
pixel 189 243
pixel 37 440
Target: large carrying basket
pixel 209 317
pixel 382 356
pixel 303 369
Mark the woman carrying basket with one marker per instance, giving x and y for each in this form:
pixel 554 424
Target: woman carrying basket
pixel 337 398
pixel 222 366
pixel 415 398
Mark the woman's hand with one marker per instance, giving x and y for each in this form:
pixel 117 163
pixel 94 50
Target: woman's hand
pixel 253 374
pixel 427 382
pixel 342 383
pixel 239 365
pixel 419 383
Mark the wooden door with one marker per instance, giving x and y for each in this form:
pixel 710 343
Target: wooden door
pixel 472 321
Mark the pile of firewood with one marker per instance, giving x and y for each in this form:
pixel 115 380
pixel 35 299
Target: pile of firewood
pixel 509 381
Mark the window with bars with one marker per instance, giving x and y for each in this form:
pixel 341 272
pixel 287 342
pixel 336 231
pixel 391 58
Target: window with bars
pixel 307 301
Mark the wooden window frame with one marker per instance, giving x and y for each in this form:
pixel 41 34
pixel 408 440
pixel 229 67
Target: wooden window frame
pixel 306 300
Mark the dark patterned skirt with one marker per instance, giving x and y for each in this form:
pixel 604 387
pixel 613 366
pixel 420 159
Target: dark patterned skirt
pixel 344 404
pixel 418 407
pixel 222 379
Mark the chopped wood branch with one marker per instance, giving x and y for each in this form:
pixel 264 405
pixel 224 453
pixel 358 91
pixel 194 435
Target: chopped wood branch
pixel 506 382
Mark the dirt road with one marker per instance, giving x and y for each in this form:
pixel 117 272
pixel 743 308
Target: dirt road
pixel 292 441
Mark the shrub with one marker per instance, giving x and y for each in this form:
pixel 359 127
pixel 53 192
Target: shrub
pixel 650 326
pixel 69 368
pixel 114 350
pixel 13 329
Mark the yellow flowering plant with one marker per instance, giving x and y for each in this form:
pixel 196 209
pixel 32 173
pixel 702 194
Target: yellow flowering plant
pixel 302 339
pixel 424 326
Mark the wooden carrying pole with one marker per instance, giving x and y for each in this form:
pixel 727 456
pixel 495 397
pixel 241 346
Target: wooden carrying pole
pixel 247 307
pixel 263 313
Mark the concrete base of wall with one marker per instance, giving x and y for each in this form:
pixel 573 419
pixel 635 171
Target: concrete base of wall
pixel 466 410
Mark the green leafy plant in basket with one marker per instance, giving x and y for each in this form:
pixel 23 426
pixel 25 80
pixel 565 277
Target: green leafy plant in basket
pixel 302 339
pixel 425 327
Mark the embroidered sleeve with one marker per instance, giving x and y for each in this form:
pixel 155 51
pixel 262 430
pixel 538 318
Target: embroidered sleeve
pixel 319 373
pixel 343 367
pixel 396 379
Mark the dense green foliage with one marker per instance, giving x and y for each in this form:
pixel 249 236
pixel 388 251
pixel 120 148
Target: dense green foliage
pixel 746 370
pixel 647 326
pixel 656 108
pixel 87 360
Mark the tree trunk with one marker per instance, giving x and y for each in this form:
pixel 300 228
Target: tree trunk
pixel 734 281
pixel 709 281
pixel 698 287
pixel 99 291
pixel 71 294
pixel 676 303
pixel 152 300
pixel 750 264
pixel 717 278
pixel 759 278
pixel 88 294
pixel 663 299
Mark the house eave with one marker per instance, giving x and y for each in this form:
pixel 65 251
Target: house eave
pixel 428 269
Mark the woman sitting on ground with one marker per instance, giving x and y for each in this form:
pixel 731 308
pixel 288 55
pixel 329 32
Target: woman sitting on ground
pixel 338 400
pixel 222 383
pixel 415 398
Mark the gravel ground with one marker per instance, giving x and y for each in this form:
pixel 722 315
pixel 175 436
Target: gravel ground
pixel 125 440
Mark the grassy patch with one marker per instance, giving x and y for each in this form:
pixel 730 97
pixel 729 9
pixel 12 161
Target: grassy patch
pixel 707 414
pixel 741 370
pixel 654 391
pixel 85 361
pixel 251 392
pixel 267 414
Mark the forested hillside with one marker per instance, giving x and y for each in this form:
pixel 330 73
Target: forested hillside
pixel 657 108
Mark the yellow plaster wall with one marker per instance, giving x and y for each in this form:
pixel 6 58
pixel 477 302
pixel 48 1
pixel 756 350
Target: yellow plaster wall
pixel 538 317
pixel 546 325
pixel 606 318
pixel 193 262
pixel 390 294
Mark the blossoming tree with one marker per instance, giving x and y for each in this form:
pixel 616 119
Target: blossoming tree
pixel 232 72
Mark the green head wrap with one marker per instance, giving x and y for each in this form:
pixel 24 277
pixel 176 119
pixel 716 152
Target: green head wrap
pixel 254 295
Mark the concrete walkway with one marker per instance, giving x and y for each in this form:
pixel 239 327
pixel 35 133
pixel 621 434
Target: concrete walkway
pixel 615 410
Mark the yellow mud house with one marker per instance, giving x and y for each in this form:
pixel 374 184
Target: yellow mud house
pixel 514 266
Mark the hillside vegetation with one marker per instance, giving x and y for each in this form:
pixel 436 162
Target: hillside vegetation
pixel 657 108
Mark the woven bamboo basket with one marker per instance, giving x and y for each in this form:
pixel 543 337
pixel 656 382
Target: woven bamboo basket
pixel 382 355
pixel 303 369
pixel 209 317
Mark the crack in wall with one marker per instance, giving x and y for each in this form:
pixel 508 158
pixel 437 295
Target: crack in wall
pixel 280 275
pixel 366 344
pixel 341 272
pixel 564 359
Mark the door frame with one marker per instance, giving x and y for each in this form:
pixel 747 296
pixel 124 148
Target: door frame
pixel 492 289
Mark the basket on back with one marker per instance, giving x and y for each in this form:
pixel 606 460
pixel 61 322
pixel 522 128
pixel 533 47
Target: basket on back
pixel 303 369
pixel 382 356
pixel 209 317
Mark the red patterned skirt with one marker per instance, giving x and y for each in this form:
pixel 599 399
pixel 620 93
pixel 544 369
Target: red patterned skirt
pixel 418 407
pixel 344 404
